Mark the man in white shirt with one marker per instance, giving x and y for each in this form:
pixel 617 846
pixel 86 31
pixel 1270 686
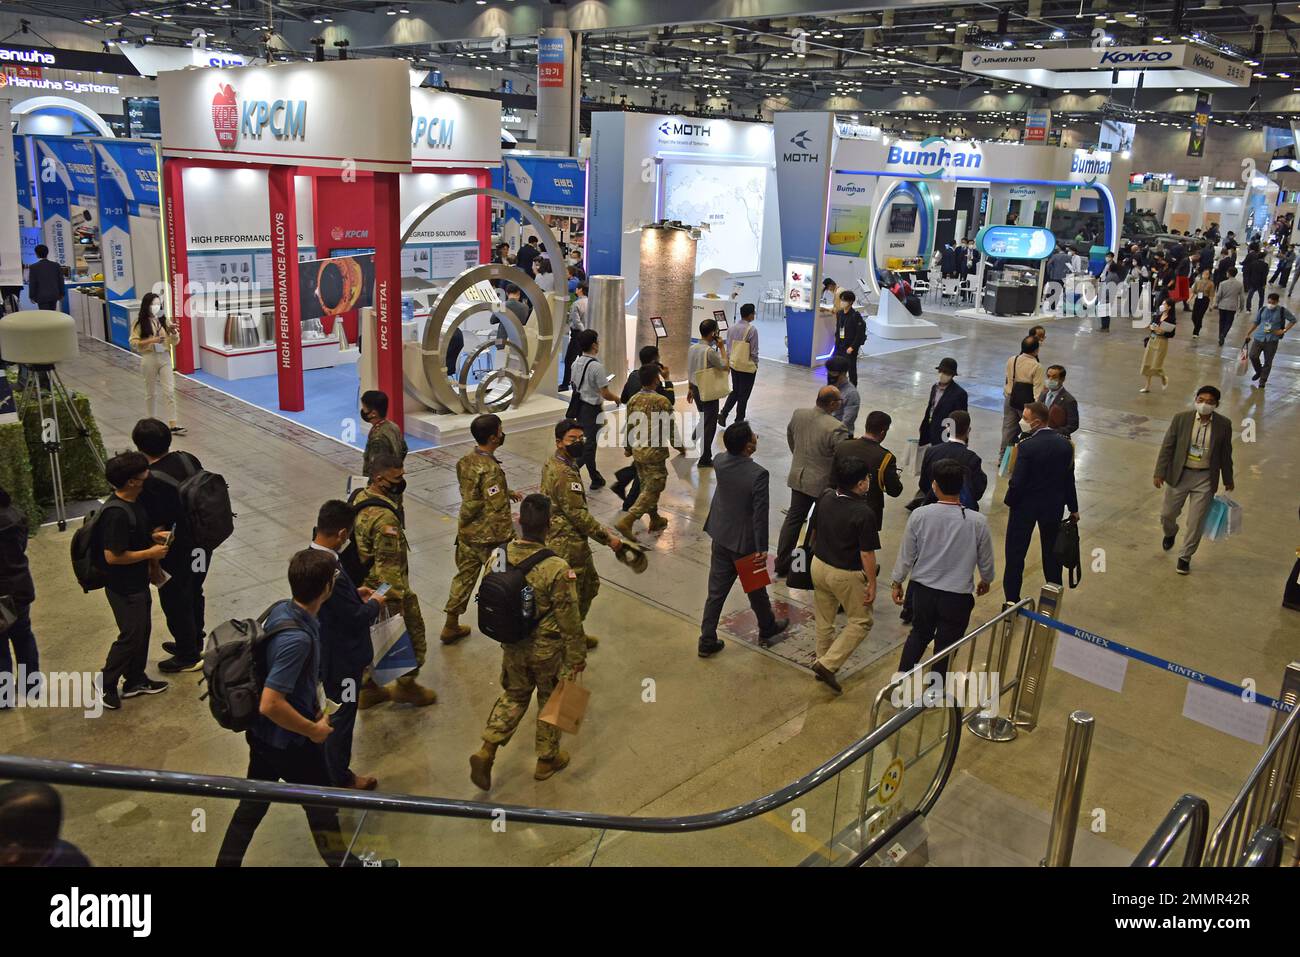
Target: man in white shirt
pixel 709 353
pixel 1023 384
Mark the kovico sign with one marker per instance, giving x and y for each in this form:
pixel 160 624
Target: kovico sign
pixel 1125 57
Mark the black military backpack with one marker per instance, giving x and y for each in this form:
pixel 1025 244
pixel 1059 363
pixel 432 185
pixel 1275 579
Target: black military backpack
pixel 507 607
pixel 205 504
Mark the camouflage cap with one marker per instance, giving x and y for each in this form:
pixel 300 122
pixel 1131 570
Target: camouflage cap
pixel 633 556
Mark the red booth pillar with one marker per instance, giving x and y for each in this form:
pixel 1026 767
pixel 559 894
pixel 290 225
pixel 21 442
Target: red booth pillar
pixel 284 283
pixel 388 291
pixel 178 262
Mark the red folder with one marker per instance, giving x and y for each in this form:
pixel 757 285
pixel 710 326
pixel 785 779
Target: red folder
pixel 755 571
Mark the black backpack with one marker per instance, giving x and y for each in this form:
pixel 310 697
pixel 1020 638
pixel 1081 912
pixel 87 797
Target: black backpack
pixel 1022 393
pixel 205 503
pixel 507 609
pixel 234 669
pixel 350 557
pixel 88 551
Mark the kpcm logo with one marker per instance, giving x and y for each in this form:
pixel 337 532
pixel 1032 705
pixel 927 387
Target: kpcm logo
pixel 225 116
pixel 801 139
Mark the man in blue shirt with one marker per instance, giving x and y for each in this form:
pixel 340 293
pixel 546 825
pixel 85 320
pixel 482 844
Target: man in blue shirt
pixel 286 742
pixel 1272 322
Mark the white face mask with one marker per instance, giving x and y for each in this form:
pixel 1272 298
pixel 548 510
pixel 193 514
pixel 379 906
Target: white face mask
pixel 155 310
pixel 1026 425
pixel 1053 384
pixel 1204 408
pixel 944 378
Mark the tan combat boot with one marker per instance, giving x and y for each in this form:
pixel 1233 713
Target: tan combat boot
pixel 624 526
pixel 371 695
pixel 592 641
pixel 480 766
pixel 548 766
pixel 405 691
pixel 453 631
pixel 657 522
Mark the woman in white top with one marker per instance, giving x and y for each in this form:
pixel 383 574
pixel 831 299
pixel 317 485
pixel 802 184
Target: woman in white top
pixel 545 277
pixel 153 336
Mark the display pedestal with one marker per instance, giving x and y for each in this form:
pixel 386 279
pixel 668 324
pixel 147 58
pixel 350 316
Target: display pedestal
pixel 893 321
pixel 1033 319
pixel 446 428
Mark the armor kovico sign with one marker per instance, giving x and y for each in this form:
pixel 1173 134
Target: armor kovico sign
pixel 352 113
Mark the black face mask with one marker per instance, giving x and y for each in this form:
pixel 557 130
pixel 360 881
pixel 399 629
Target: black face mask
pixel 575 449
pixel 396 488
pixel 501 440
pixel 365 416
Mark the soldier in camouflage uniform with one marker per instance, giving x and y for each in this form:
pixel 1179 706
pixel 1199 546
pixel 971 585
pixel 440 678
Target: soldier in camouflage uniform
pixel 485 524
pixel 650 430
pixel 554 651
pixel 384 436
pixel 571 524
pixel 381 543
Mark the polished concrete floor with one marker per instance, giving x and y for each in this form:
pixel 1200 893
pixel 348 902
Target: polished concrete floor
pixel 668 733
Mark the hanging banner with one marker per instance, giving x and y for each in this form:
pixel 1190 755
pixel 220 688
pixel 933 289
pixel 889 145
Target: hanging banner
pixel 553 186
pixel 11 265
pixel 128 181
pixel 1037 124
pixel 550 61
pixel 65 183
pixel 1200 123
pixel 284 286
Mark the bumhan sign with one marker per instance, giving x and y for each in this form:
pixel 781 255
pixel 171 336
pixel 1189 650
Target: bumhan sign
pixel 932 158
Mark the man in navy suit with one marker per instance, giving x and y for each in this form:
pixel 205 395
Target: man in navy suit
pixel 345 619
pixel 1041 489
pixel 946 397
pixel 737 523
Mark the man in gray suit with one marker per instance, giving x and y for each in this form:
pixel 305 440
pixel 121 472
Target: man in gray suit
pixel 737 523
pixel 1197 448
pixel 812 436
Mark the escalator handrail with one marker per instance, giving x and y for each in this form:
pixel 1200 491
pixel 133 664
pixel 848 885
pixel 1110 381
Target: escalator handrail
pixel 116 777
pixel 1189 812
pixel 1264 849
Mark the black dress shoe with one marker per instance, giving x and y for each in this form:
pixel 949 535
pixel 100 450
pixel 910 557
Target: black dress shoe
pixel 705 464
pixel 905 617
pixel 780 625
pixel 709 649
pixel 1184 566
pixel 1167 542
pixel 169 647
pixel 598 482
pixel 824 674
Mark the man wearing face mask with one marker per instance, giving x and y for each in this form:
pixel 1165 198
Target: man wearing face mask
pixel 946 397
pixel 379 539
pixel 384 436
pixel 1196 451
pixel 484 525
pixel 571 523
pixel 345 618
pixel 837 374
pixel 1062 407
pixel 1040 490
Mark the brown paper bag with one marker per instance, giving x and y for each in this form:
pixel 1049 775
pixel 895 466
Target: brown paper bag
pixel 566 706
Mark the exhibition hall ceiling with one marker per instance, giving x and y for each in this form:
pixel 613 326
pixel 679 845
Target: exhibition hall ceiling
pixel 862 60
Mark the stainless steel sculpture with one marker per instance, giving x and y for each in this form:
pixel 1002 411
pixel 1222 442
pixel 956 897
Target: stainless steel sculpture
pixel 523 375
pixel 606 313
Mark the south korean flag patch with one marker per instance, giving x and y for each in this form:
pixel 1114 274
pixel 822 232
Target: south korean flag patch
pixel 493 489
pixel 575 486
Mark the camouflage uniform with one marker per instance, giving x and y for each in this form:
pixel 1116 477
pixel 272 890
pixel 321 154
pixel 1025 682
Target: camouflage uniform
pixel 485 523
pixel 384 436
pixel 571 526
pixel 379 538
pixel 538 662
pixel 647 413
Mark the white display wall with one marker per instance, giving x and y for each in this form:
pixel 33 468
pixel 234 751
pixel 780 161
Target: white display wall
pixel 447 242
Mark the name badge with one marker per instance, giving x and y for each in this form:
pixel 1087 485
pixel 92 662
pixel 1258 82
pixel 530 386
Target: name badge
pixel 842 333
pixel 1195 453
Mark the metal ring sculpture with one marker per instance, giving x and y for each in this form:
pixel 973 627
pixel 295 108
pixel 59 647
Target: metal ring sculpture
pixel 440 394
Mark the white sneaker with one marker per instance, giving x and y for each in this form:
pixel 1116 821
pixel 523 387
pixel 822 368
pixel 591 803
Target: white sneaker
pixel 1144 389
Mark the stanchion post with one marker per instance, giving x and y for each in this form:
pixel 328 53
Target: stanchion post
pixel 992 725
pixel 1035 660
pixel 1289 822
pixel 1069 789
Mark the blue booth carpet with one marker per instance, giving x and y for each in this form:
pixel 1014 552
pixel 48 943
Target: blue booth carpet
pixel 331 399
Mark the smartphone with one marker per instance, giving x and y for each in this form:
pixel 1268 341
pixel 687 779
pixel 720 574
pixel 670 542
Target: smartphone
pixel 171 536
pixel 382 590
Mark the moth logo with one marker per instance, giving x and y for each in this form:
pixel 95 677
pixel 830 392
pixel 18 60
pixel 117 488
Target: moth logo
pixel 801 139
pixel 675 128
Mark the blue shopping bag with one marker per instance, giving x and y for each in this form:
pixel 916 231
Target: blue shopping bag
pixel 394 654
pixel 1216 520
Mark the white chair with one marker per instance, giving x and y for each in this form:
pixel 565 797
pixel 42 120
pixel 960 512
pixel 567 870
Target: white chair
pixel 950 291
pixel 773 301
pixel 922 288
pixel 967 290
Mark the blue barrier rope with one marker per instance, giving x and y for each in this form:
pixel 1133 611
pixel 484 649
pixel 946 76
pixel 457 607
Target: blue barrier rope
pixel 1191 674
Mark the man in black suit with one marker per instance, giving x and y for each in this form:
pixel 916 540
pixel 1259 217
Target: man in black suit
pixel 946 397
pixel 529 253
pixel 1062 406
pixel 345 648
pixel 45 281
pixel 1041 489
pixel 737 523
pixel 958 449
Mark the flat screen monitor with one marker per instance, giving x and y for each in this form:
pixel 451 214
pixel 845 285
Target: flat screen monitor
pixel 902 218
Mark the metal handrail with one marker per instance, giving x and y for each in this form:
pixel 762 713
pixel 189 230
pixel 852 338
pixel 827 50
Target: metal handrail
pixel 1264 849
pixel 1275 772
pixel 114 777
pixel 1189 814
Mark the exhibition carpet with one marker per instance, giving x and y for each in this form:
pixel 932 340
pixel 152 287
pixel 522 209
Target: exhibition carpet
pixel 332 396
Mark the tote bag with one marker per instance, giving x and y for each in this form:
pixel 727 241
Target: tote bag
pixel 740 358
pixel 712 384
